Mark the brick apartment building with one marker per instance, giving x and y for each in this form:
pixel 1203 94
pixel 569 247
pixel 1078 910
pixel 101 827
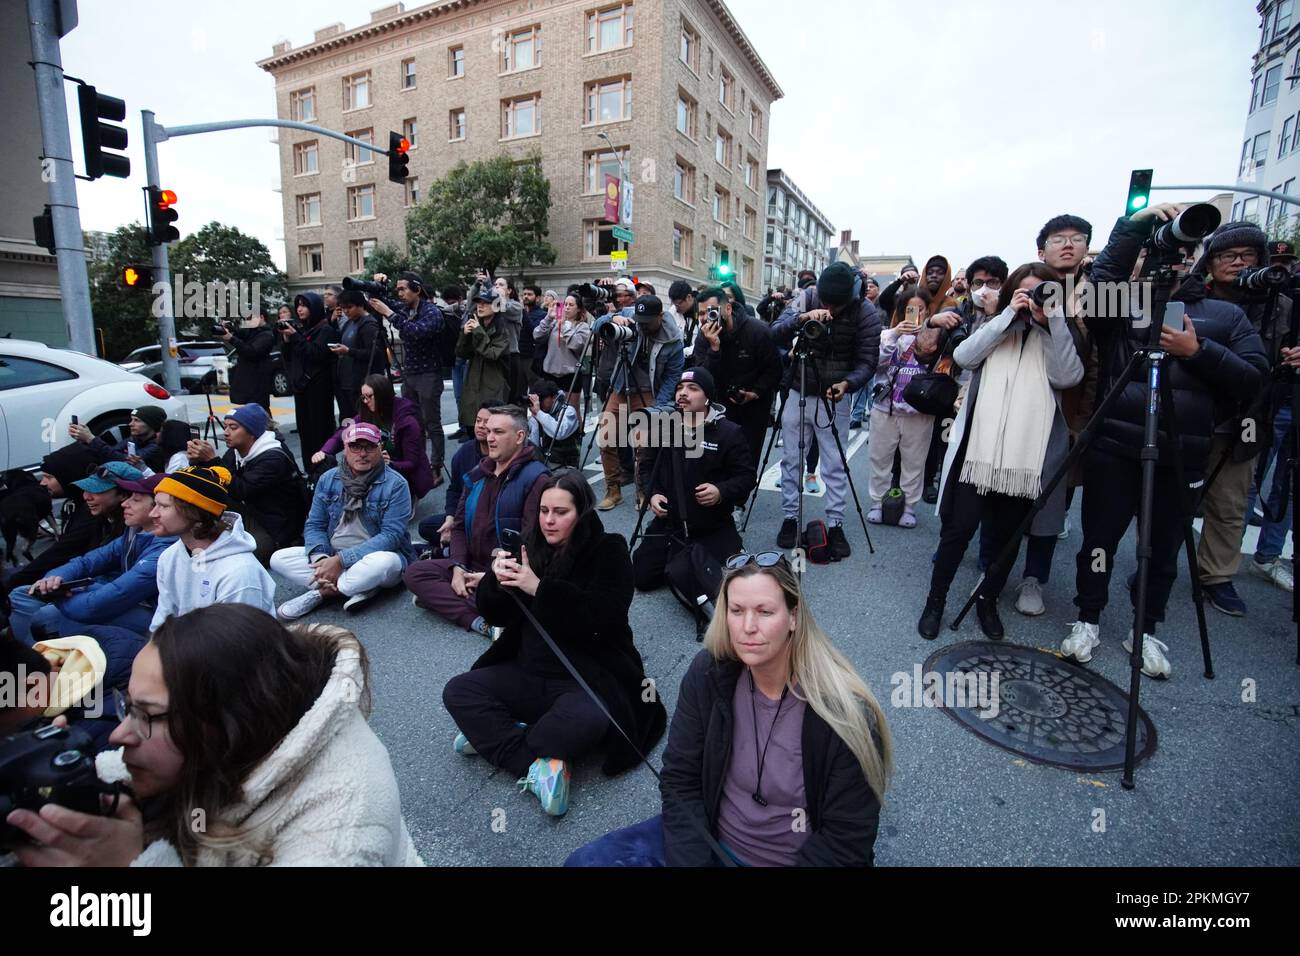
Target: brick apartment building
pixel 674 84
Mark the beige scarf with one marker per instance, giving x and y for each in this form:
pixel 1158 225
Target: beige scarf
pixel 1011 420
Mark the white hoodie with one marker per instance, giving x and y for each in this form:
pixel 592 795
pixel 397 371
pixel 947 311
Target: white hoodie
pixel 225 572
pixel 265 442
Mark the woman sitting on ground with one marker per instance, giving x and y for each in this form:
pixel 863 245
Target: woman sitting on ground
pixel 519 706
pixel 289 775
pixel 778 754
pixel 399 419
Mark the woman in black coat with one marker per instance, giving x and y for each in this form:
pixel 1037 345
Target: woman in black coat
pixel 518 706
pixel 250 377
pixel 310 365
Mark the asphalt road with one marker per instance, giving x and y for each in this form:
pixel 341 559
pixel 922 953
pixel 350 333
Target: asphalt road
pixel 1220 789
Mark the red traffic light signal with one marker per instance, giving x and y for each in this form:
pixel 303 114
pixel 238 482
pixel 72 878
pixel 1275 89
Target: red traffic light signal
pixel 165 198
pixel 161 216
pixel 398 158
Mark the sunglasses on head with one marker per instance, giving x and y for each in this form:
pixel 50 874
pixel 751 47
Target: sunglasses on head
pixel 764 559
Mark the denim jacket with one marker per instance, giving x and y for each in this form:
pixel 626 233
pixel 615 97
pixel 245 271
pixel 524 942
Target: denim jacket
pixel 385 516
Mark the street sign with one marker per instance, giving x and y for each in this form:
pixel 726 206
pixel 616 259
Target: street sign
pixel 625 207
pixel 618 259
pixel 612 200
pixel 621 233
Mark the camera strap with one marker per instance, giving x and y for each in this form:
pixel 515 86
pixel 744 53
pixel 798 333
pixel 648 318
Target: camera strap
pixel 717 849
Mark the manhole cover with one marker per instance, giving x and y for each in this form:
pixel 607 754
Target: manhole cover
pixel 1037 705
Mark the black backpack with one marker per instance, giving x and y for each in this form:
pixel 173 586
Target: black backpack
pixel 816 542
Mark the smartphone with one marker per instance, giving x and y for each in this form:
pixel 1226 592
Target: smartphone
pixel 1174 313
pixel 513 542
pixel 130 448
pixel 74 419
pixel 913 315
pixel 64 589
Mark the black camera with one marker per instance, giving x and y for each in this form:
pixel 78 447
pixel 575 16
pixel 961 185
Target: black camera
pixel 615 334
pixel 1186 229
pixel 1264 278
pixel 734 392
pixel 292 324
pixel 1044 291
pixel 814 332
pixel 376 289
pixel 48 765
pixel 595 294
pixel 221 328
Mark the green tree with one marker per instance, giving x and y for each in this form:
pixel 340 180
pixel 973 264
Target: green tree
pixel 389 260
pixel 489 213
pixel 123 316
pixel 218 253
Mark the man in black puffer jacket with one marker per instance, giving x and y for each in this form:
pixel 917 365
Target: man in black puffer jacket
pixel 1217 360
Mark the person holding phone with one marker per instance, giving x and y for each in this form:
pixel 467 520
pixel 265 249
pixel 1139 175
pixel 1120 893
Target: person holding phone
pixel 518 706
pixel 896 425
pixel 1009 437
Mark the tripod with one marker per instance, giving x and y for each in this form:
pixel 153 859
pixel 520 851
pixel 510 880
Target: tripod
pixel 625 362
pixel 573 383
pixel 803 350
pixel 1150 361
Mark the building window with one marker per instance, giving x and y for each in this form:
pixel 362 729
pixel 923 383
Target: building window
pixel 721 204
pixel 1282 17
pixel 689 51
pixel 521 50
pixel 597 239
pixel 302 105
pixel 755 122
pixel 609 101
pixel 359 155
pixel 359 251
pixel 610 28
pixel 683 240
pixel 598 164
pixel 361 202
pixel 1272 209
pixel 722 147
pixel 717 253
pixel 412 191
pixel 456 125
pixel 356 91
pixel 305 158
pixel 749 223
pixel 751 173
pixel 747 272
pixel 1284 144
pixel 684 181
pixel 1249 209
pixel 686 115
pixel 309 209
pixel 408 74
pixel 1259 153
pixel 311 260
pixel 727 90
pixel 410 129
pixel 521 117
pixel 455 62
pixel 1272 80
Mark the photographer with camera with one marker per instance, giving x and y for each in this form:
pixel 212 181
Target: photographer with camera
pixel 509 312
pixel 309 363
pixel 1218 361
pixel 223 722
pixel 424 330
pixel 553 424
pixel 840 332
pixel 744 362
pixel 253 342
pixel 771 306
pixel 360 350
pixel 647 366
pixel 566 330
pixel 485 345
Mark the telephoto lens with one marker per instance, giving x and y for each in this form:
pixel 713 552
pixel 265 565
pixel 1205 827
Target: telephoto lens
pixel 1264 278
pixel 1190 226
pixel 376 289
pixel 614 333
pixel 591 292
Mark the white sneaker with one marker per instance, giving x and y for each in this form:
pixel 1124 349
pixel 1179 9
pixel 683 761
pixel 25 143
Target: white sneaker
pixel 1276 572
pixel 1083 638
pixel 1065 531
pixel 1154 662
pixel 1030 602
pixel 304 603
pixel 359 599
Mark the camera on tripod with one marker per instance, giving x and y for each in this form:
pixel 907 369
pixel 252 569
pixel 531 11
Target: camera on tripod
pixel 595 294
pixel 814 336
pixel 1263 278
pixel 376 289
pixel 48 765
pixel 615 334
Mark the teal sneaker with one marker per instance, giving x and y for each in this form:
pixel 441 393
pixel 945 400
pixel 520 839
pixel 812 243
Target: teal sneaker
pixel 548 779
pixel 463 747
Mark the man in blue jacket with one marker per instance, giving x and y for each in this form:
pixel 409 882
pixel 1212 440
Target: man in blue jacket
pixel 355 540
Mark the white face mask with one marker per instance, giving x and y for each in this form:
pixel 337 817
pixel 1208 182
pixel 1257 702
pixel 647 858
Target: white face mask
pixel 985 298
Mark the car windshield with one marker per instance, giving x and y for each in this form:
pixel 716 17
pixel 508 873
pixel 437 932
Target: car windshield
pixel 203 348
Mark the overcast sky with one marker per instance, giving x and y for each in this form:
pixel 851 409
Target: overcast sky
pixel 925 126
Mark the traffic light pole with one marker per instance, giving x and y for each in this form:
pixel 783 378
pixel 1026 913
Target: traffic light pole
pixel 56 146
pixel 161 267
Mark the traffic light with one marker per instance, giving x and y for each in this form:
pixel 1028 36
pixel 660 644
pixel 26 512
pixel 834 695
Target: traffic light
pixel 97 136
pixel 724 264
pixel 43 226
pixel 398 158
pixel 137 277
pixel 161 216
pixel 1139 191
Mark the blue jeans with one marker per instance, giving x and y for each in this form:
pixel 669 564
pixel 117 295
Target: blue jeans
pixel 1272 535
pixel 641 844
pixel 859 410
pixel 458 377
pixel 29 610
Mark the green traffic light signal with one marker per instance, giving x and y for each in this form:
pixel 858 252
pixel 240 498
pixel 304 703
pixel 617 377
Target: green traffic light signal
pixel 1139 190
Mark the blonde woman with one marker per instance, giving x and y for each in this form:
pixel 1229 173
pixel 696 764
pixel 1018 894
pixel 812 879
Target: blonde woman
pixel 778 753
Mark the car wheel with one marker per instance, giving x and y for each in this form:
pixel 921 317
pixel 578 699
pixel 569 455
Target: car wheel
pixel 280 384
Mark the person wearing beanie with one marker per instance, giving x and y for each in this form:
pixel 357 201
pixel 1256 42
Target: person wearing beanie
pixel 82 524
pixel 214 561
pixel 360 351
pixel 695 485
pixel 309 363
pixel 266 487
pixel 739 354
pixel 1216 365
pixel 844 363
pixel 142 439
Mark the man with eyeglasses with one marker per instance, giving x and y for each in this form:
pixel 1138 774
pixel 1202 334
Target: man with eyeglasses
pixel 355 540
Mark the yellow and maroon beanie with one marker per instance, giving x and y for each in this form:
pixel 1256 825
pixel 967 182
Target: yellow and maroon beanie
pixel 204 488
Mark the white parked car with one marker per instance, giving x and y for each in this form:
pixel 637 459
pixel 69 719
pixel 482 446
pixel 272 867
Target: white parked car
pixel 42 388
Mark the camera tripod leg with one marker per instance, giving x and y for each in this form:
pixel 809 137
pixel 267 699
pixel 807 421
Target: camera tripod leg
pixel 771 443
pixel 645 504
pixel 853 488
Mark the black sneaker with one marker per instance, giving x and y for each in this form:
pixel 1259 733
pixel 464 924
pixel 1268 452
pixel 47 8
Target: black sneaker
pixel 855 425
pixel 990 623
pixel 788 534
pixel 837 543
pixel 931 618
pixel 931 494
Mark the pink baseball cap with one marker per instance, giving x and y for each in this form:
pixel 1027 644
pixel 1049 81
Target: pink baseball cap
pixel 362 431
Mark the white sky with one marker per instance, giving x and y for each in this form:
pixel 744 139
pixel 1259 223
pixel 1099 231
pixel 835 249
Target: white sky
pixel 925 126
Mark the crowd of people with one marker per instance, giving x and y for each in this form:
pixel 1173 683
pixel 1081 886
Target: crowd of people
pixel 972 387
